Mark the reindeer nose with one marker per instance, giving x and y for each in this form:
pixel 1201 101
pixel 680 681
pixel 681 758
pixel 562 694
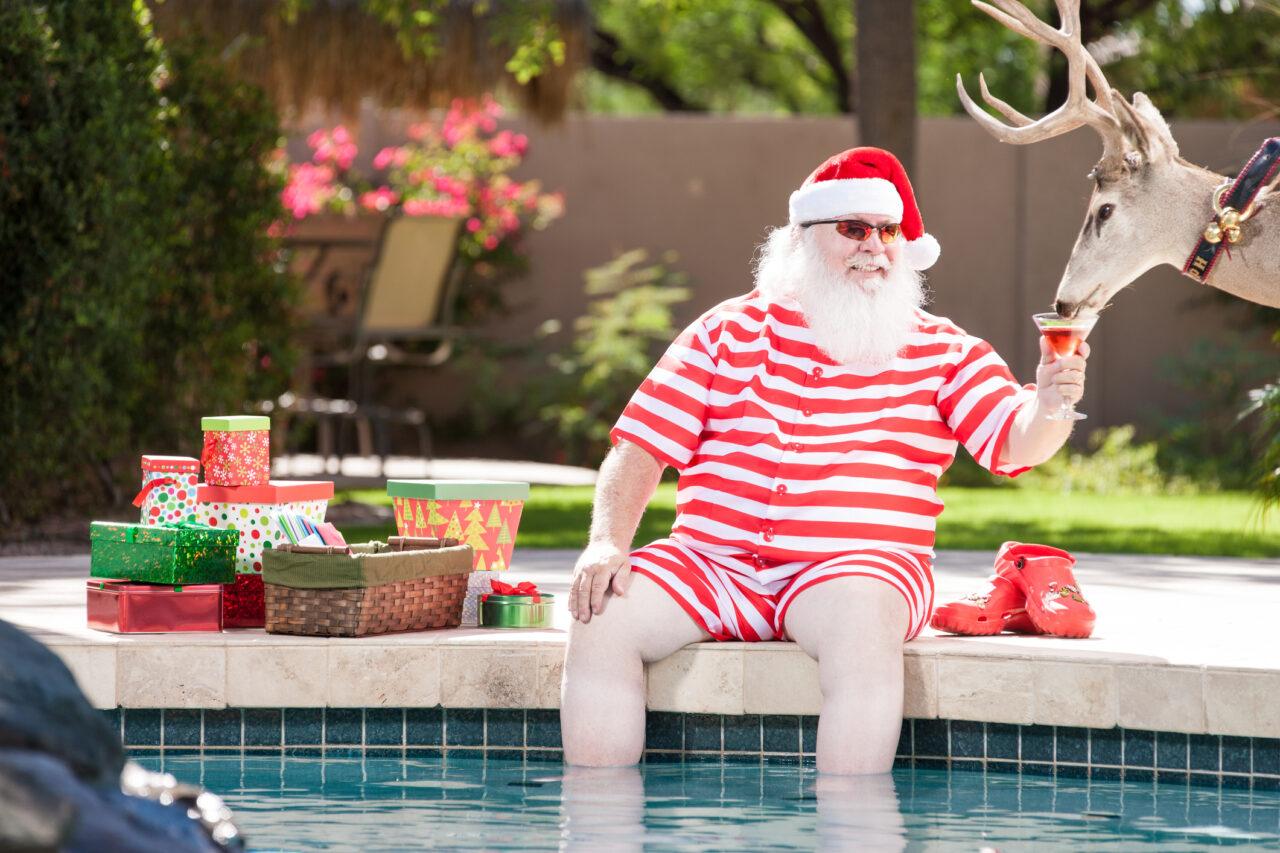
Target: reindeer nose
pixel 1065 309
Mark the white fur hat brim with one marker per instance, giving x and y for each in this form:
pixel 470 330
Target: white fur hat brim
pixel 844 197
pixel 923 252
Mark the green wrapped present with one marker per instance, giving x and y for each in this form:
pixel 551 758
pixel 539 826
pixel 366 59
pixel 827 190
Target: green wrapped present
pixel 180 553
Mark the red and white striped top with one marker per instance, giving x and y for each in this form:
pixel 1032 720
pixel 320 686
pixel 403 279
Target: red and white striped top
pixel 786 455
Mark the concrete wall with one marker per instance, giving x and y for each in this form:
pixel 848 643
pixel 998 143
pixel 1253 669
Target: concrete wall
pixel 1006 217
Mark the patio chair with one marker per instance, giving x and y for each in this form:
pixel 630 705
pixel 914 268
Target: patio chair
pixel 405 318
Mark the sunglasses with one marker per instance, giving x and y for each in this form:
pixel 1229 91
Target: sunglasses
pixel 856 229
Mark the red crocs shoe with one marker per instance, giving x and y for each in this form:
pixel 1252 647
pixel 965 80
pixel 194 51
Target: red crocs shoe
pixel 1002 608
pixel 1053 599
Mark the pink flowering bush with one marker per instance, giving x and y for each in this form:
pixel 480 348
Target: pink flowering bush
pixel 458 168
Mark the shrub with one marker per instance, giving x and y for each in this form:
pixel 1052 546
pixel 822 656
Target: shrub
pixel 138 284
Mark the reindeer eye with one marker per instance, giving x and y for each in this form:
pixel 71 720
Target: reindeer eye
pixel 1105 211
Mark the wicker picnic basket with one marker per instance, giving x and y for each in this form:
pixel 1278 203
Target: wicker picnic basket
pixel 403 584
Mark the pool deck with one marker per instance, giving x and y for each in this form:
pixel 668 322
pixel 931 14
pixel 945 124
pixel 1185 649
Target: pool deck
pixel 1181 645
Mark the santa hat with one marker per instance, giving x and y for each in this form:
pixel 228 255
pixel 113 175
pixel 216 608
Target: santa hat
pixel 868 181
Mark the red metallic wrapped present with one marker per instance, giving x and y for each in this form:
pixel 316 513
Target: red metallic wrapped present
pixel 125 607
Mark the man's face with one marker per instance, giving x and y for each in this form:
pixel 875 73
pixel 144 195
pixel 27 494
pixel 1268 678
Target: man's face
pixel 865 262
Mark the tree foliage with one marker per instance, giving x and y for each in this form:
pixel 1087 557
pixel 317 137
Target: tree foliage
pixel 137 290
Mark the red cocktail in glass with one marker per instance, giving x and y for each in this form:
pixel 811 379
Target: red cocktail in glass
pixel 1064 335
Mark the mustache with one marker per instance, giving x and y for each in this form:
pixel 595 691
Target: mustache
pixel 866 260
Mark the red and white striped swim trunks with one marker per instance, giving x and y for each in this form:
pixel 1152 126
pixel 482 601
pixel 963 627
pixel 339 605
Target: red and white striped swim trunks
pixel 745 598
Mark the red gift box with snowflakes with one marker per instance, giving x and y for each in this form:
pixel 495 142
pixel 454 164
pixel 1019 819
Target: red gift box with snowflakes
pixel 237 450
pixel 168 493
pixel 255 513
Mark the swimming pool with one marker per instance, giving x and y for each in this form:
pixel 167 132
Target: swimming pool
pixel 371 805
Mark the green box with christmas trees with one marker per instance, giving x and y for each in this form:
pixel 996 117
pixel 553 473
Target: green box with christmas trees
pixel 484 514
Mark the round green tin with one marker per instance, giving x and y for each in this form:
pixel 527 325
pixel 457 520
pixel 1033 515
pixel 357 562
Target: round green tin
pixel 516 611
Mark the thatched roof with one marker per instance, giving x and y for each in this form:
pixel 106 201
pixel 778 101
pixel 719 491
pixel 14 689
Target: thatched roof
pixel 335 54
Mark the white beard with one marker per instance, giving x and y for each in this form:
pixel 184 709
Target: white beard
pixel 851 323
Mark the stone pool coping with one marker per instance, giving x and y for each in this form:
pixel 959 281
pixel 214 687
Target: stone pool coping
pixel 1182 645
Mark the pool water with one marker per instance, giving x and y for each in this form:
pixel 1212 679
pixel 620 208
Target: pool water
pixel 286 803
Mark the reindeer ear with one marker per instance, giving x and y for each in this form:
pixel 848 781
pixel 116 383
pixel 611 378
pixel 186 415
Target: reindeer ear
pixel 1144 128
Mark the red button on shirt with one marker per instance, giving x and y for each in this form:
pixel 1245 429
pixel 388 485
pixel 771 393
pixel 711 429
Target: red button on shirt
pixel 817 373
pixel 768 534
pixel 782 488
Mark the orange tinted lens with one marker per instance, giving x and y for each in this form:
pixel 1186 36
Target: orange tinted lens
pixel 889 233
pixel 853 229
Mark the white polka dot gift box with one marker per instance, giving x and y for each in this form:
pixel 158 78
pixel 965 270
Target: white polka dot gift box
pixel 255 512
pixel 168 489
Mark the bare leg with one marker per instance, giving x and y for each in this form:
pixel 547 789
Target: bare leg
pixel 854 627
pixel 602 808
pixel 602 697
pixel 859 813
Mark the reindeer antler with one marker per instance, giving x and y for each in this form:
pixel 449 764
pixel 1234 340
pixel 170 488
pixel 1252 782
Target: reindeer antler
pixel 1082 69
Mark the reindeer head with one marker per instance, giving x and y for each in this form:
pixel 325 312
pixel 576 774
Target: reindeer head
pixel 1115 245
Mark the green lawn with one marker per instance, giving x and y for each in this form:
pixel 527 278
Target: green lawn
pixel 1223 524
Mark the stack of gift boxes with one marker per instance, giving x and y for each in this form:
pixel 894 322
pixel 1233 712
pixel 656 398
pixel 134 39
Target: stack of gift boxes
pixel 194 563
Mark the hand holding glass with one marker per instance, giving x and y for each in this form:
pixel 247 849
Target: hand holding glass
pixel 1064 335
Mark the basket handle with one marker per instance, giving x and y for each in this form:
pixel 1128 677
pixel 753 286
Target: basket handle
pixel 419 543
pixel 327 550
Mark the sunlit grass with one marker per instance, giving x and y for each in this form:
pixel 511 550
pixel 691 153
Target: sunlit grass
pixel 1223 524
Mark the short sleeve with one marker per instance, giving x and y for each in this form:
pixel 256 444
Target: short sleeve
pixel 979 402
pixel 668 411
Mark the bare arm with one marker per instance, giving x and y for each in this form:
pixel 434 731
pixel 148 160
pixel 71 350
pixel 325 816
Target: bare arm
pixel 1033 438
pixel 628 477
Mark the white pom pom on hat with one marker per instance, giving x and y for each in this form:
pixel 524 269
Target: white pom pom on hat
pixel 870 181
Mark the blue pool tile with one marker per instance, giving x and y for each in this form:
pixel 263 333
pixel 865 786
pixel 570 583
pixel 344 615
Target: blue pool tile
pixel 903 762
pixel 1001 766
pixel 1204 780
pixel 742 734
pixel 542 728
pixel 223 727
pixel 423 727
pixel 504 754
pixel 968 739
pixel 664 730
pixel 343 727
pixel 1171 777
pixel 1266 755
pixel 931 739
pixel 1139 774
pixel 142 727
pixel 303 752
pixel 1071 745
pixel 1106 746
pixel 115 719
pixel 1073 771
pixel 780 733
pixel 703 732
pixel 1205 752
pixel 932 763
pixel 781 759
pixel 464 727
pixel 1037 744
pixel 905 748
pixel 181 750
pixel 144 752
pixel 1106 774
pixel 1139 748
pixel 503 727
pixel 422 753
pixel 1171 751
pixel 384 727
pixel 544 756
pixel 1237 755
pixel 659 756
pixel 263 727
pixel 1266 783
pixel 1035 768
pixel 303 726
pixel 808 735
pixel 967 765
pixel 1002 741
pixel 340 772
pixel 181 727
pixel 383 752
pixel 1236 781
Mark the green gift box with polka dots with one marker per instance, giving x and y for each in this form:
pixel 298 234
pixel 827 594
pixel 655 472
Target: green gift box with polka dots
pixel 254 513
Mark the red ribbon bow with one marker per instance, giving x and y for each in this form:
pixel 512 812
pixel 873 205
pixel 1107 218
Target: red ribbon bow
pixel 522 588
pixel 151 484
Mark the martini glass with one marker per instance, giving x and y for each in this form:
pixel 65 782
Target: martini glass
pixel 1064 335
